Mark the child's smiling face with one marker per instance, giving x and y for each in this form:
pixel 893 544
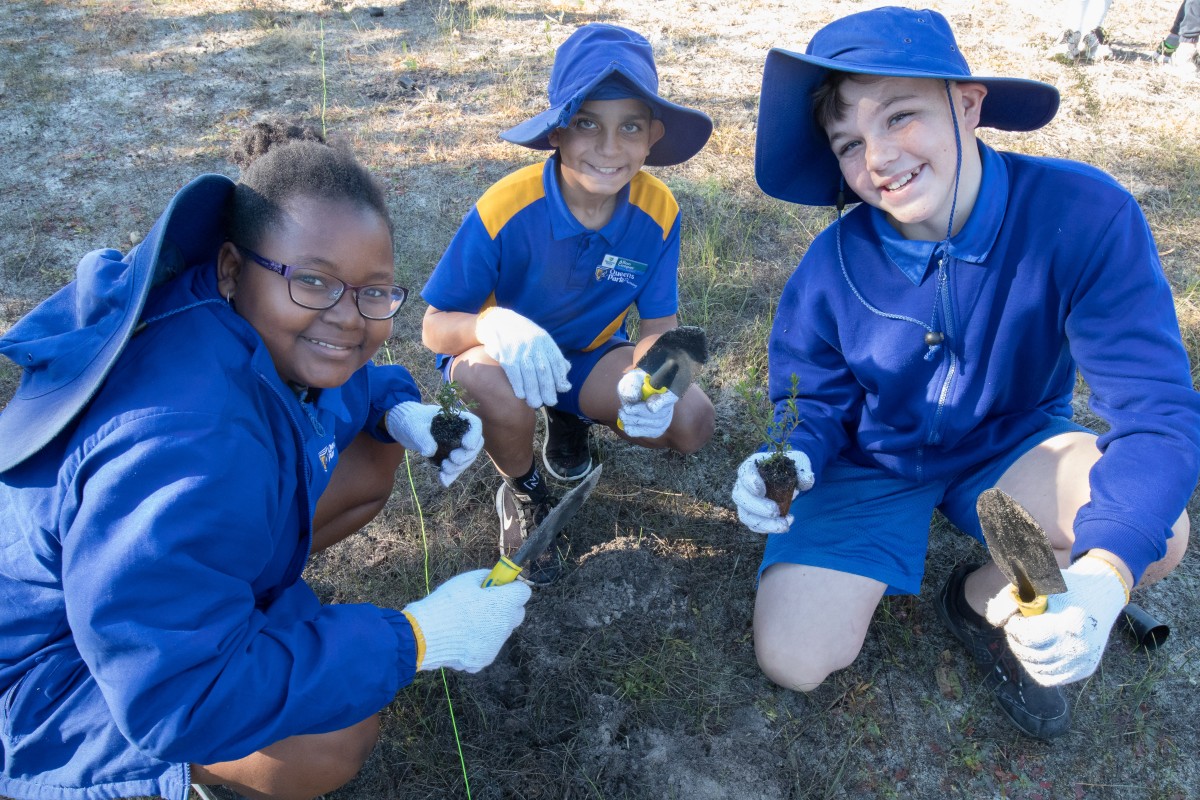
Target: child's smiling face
pixel 604 146
pixel 896 147
pixel 315 348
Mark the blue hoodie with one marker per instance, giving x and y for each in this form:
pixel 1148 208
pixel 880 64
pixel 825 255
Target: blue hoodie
pixel 151 558
pixel 1055 271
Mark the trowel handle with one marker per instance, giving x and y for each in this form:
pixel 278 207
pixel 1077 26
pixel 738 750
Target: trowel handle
pixel 505 571
pixel 1030 608
pixel 649 389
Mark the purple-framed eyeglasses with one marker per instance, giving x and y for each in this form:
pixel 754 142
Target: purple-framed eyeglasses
pixel 311 288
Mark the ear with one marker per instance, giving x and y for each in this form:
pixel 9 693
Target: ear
pixel 971 95
pixel 229 269
pixel 554 138
pixel 657 130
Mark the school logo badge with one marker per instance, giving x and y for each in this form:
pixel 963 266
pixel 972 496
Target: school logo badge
pixel 327 455
pixel 615 269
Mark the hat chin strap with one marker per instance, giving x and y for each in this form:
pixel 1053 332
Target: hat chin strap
pixel 933 337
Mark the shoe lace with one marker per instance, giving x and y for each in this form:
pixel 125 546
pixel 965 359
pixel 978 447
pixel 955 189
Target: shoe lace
pixel 531 513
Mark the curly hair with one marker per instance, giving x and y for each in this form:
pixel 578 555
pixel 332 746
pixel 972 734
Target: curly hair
pixel 283 160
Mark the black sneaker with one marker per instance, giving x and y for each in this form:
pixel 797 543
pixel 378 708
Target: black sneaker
pixel 519 515
pixel 1038 711
pixel 565 452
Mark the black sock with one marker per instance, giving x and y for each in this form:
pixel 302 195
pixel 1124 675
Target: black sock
pixel 530 484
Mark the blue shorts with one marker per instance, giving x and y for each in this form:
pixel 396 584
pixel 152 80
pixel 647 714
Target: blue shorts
pixel 582 363
pixel 866 521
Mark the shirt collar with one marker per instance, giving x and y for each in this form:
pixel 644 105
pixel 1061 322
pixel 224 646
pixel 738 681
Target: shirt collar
pixel 971 244
pixel 563 223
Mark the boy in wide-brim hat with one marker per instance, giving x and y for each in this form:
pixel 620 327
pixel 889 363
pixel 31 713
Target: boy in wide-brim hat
pixel 935 331
pixel 529 302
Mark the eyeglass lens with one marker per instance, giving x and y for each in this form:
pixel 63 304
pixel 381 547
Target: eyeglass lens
pixel 316 290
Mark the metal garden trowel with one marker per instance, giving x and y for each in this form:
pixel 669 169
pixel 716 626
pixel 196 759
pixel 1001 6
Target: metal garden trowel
pixel 1021 550
pixel 673 360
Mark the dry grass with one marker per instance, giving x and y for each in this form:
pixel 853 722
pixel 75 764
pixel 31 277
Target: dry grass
pixel 635 677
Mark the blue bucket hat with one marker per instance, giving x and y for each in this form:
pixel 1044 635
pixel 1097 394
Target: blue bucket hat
pixel 597 54
pixel 67 345
pixel 792 158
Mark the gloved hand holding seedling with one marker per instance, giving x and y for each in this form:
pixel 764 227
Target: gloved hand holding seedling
pixel 770 479
pixel 446 432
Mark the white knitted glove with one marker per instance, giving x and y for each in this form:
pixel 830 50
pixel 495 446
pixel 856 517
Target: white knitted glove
pixel 410 423
pixel 464 455
pixel 462 625
pixel 1064 644
pixel 532 361
pixel 646 419
pixel 755 510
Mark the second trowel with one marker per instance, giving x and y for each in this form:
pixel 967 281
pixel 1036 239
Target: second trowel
pixel 672 362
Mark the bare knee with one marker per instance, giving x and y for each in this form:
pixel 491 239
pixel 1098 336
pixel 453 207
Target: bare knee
pixel 693 423
pixel 325 762
pixel 810 622
pixel 349 749
pixel 795 666
pixel 1176 546
pixel 299 767
pixel 491 396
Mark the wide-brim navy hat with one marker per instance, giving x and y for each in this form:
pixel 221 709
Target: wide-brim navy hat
pixel 68 344
pixel 594 54
pixel 792 157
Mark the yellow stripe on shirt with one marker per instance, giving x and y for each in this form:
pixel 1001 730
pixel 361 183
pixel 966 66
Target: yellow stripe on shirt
pixel 653 197
pixel 607 333
pixel 507 196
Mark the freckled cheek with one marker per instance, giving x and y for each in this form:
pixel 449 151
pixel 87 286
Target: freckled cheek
pixel 857 177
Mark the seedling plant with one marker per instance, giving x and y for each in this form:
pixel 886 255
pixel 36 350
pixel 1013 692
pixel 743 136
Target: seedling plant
pixel 449 425
pixel 774 426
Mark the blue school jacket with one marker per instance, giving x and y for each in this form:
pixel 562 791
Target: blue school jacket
pixel 154 613
pixel 1055 272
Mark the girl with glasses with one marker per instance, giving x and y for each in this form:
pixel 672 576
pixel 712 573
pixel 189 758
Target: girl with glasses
pixel 194 419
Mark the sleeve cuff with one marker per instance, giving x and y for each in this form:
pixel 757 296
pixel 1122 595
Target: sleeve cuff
pixel 1131 545
pixel 418 637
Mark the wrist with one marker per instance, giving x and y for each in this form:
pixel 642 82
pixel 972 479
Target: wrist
pixel 440 642
pixel 1115 564
pixel 480 324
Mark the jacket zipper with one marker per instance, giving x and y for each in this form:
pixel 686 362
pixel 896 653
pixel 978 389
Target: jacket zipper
pixel 289 579
pixel 935 435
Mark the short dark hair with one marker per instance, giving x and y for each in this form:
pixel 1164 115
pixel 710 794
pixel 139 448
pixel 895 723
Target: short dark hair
pixel 284 160
pixel 828 105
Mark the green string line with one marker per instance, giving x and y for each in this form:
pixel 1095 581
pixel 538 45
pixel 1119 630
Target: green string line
pixel 445 685
pixel 324 88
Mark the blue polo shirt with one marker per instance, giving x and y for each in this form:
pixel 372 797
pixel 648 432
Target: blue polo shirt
pixel 1055 272
pixel 522 249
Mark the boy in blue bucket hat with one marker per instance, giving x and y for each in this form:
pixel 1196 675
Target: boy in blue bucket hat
pixel 936 330
pixel 529 302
